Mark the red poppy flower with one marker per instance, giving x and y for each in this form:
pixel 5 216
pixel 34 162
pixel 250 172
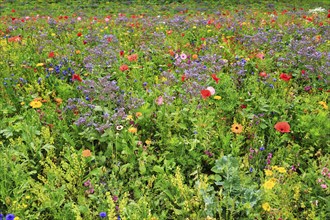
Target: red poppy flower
pixel 13 10
pixel 79 34
pixel 84 42
pixel 123 67
pixel 282 127
pixel 263 74
pixel 121 53
pixel 285 77
pixel 183 77
pixel 76 77
pixel 303 72
pixel 51 54
pixel 214 76
pixel 205 93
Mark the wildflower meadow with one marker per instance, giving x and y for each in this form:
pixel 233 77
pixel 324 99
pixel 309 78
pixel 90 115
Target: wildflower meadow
pixel 151 110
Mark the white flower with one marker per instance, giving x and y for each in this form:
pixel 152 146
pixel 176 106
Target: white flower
pixel 119 127
pixel 211 89
pixel 317 10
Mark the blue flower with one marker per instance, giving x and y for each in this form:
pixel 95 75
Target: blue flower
pixel 10 217
pixel 103 214
pixel 1 216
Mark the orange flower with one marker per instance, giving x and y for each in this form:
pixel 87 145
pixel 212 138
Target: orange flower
pixel 132 130
pixel 123 67
pixel 282 127
pixel 86 153
pixel 132 57
pixel 236 128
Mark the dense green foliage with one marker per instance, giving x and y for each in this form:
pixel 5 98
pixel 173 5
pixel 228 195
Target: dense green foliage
pixel 164 110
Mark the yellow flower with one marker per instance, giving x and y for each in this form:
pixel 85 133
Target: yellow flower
pixel 22 103
pixel 132 130
pixel 281 170
pixel 16 218
pixel 129 117
pixel 35 104
pixel 266 206
pixel 236 128
pixel 138 114
pixel 268 172
pixel 324 104
pixel 148 142
pixel 217 97
pixel 39 64
pixel 269 184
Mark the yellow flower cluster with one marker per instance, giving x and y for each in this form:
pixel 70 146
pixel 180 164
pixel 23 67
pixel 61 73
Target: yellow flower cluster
pixel 324 105
pixel 279 169
pixel 269 184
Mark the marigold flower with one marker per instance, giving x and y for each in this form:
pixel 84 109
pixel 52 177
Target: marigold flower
pixel 282 127
pixel 194 56
pixel 132 130
pixel 138 114
pixel 236 128
pixel 265 206
pixel 86 153
pixel 58 100
pixel 35 104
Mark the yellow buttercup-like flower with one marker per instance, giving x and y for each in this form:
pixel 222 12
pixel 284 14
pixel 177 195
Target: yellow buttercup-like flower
pixel 265 206
pixel 35 104
pixel 268 172
pixel 281 170
pixel 39 64
pixel 129 117
pixel 269 184
pixel 217 97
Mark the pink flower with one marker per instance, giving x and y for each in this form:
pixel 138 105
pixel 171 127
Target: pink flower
pixel 159 100
pixel 324 186
pixel 183 56
pixel 211 89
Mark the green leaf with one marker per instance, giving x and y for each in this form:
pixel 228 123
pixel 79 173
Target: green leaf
pixel 158 169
